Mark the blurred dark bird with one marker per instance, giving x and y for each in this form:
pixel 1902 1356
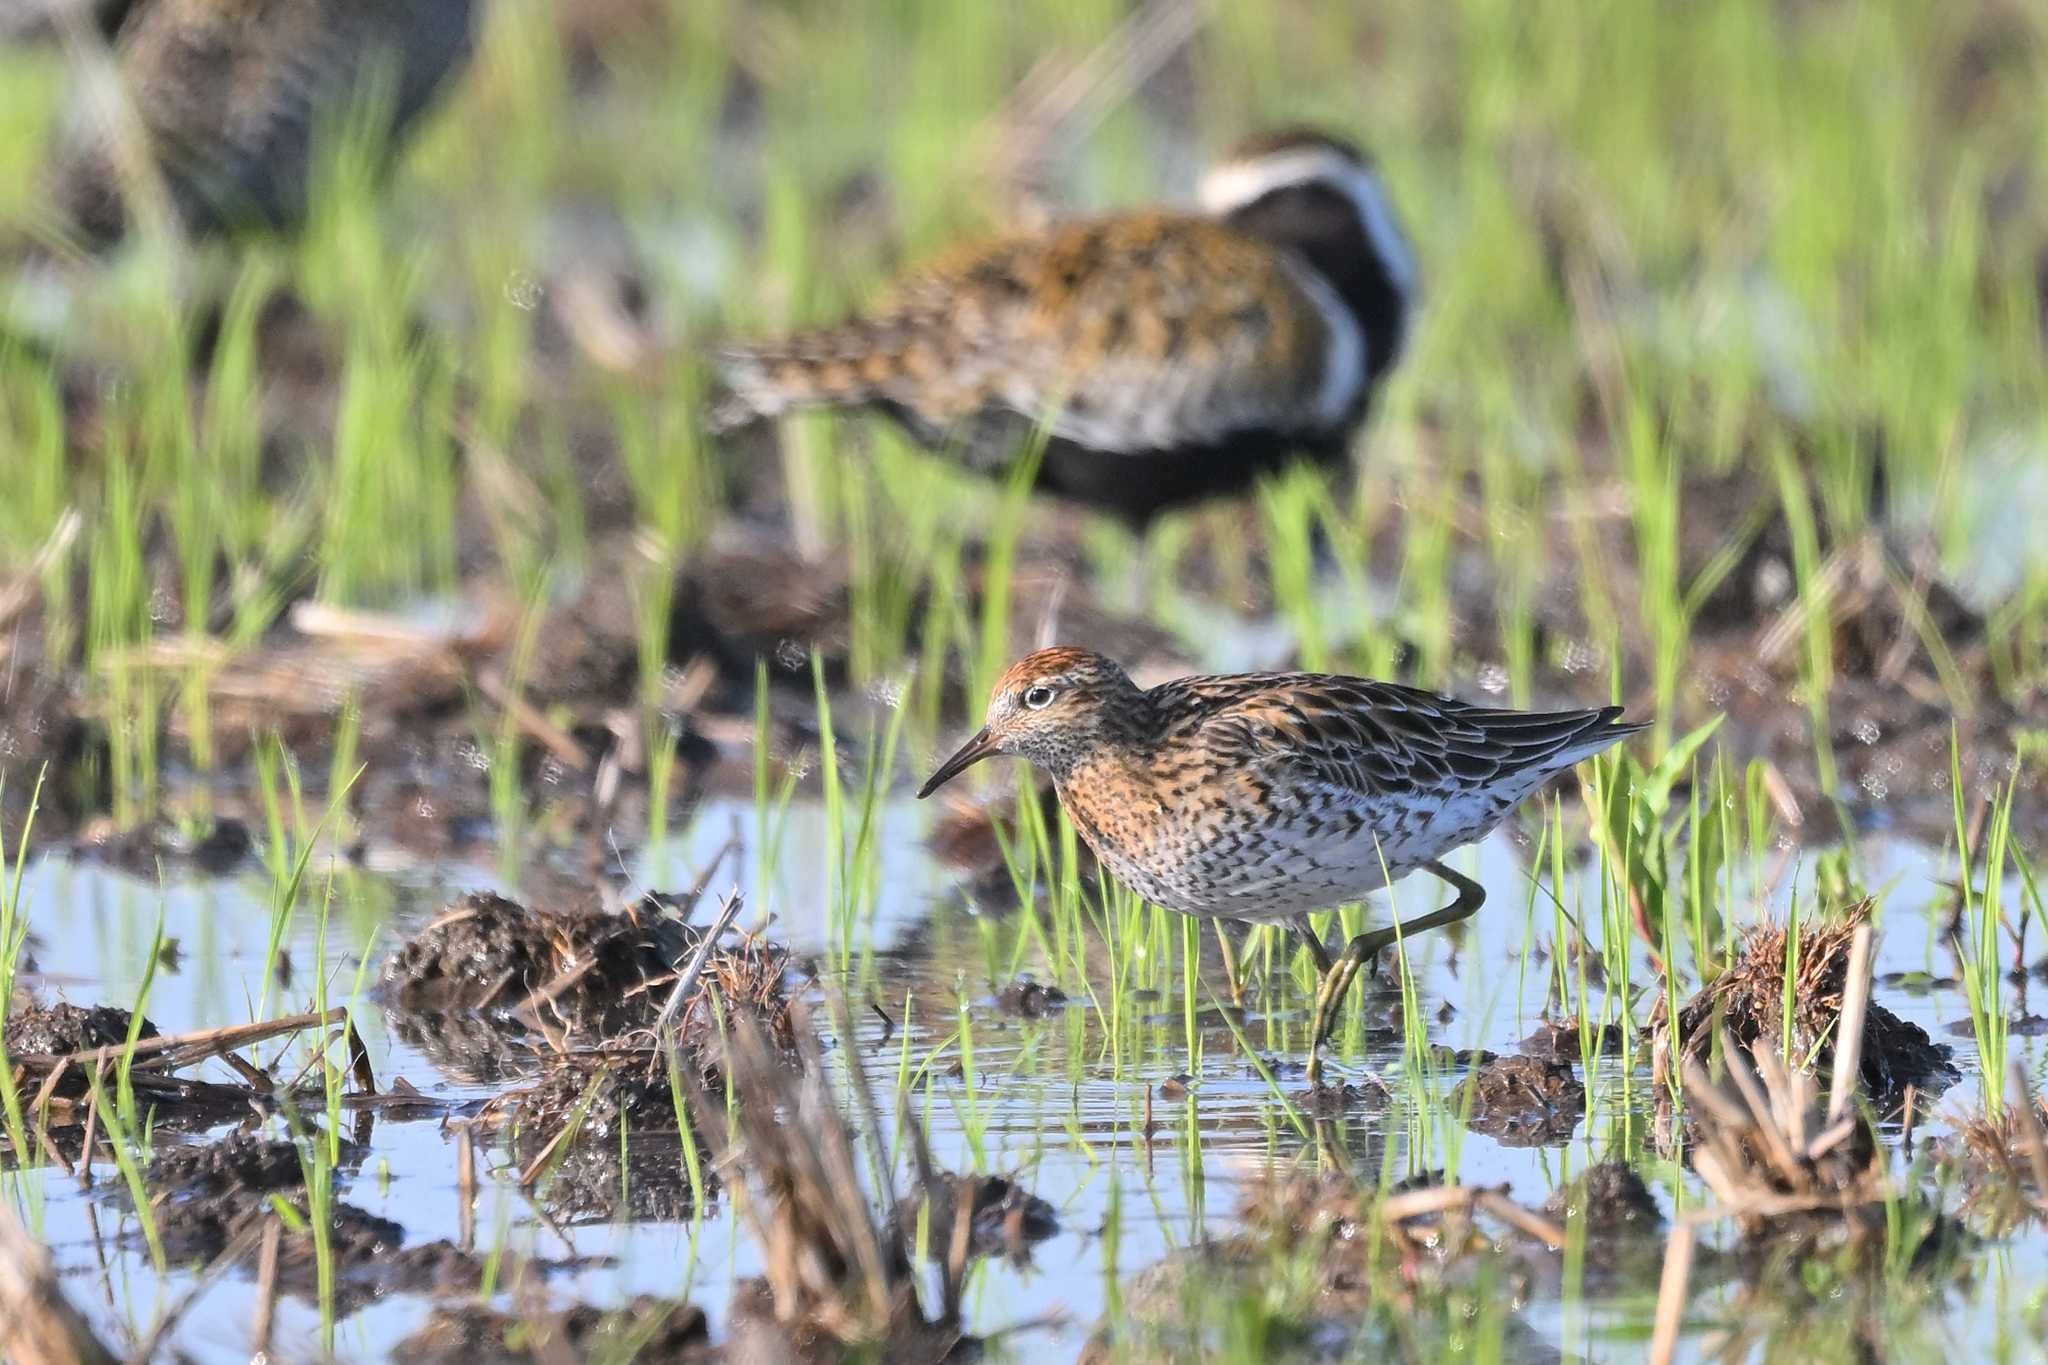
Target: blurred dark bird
pixel 39 20
pixel 1166 356
pixel 227 96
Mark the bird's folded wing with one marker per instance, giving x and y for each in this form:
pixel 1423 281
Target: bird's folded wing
pixel 1132 333
pixel 1376 739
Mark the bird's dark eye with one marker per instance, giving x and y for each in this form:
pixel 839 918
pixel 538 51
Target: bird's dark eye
pixel 1038 697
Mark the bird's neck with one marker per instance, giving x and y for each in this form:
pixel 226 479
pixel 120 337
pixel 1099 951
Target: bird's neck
pixel 1108 762
pixel 1122 731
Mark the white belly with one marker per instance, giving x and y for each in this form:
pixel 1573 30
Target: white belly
pixel 1287 868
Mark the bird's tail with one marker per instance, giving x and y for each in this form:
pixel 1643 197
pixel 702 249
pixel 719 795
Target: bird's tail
pixel 1598 731
pixel 845 365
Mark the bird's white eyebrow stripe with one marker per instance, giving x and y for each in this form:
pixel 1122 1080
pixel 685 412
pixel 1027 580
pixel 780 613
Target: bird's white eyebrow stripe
pixel 1237 183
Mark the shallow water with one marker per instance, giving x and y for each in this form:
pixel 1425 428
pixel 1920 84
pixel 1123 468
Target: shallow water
pixel 1046 1098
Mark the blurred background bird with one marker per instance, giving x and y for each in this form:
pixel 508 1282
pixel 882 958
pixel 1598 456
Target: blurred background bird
pixel 1161 356
pixel 223 99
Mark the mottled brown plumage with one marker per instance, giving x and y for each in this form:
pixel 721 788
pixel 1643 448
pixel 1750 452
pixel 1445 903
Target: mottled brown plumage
pixel 1165 355
pixel 229 93
pixel 1260 797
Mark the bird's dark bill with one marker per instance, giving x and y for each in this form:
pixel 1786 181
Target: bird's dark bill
pixel 970 753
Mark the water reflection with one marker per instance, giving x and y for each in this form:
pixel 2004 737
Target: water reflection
pixel 1140 1127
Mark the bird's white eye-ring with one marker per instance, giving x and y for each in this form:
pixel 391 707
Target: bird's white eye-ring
pixel 1038 697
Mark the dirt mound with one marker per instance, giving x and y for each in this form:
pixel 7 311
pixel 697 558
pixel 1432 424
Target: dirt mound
pixel 53 1030
pixel 1003 1217
pixel 592 975
pixel 1749 1001
pixel 643 1328
pixel 239 1161
pixel 1522 1101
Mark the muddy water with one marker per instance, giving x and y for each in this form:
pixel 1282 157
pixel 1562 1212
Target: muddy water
pixel 1045 1098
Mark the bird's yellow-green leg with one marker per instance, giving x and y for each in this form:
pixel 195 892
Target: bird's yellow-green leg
pixel 1313 941
pixel 1338 977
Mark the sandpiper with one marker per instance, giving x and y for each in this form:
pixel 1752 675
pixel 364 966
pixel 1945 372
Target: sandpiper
pixel 1164 356
pixel 227 97
pixel 1260 797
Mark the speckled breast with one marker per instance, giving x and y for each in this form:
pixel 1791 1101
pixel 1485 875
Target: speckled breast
pixel 1269 865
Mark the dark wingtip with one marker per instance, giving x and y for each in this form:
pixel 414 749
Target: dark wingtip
pixel 1610 718
pixel 1609 729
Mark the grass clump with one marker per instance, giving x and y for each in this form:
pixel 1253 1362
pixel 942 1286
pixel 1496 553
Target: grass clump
pixel 1786 993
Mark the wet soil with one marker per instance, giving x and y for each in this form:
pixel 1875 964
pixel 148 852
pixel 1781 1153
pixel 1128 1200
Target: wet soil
pixel 1624 1226
pixel 243 1162
pixel 201 1228
pixel 645 1328
pixel 489 972
pixel 1611 1199
pixel 1562 1042
pixel 1030 1000
pixel 1003 1218
pixel 492 992
pixel 485 952
pixel 53 1030
pixel 1522 1101
pixel 220 1199
pixel 1749 1002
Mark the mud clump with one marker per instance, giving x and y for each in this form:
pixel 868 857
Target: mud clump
pixel 1624 1227
pixel 569 1001
pixel 594 975
pixel 239 1161
pixel 487 952
pixel 1030 1000
pixel 599 1093
pixel 469 1046
pixel 436 1267
pixel 220 1199
pixel 1522 1101
pixel 594 1183
pixel 1003 1217
pixel 566 1130
pixel 1561 1042
pixel 645 1328
pixel 1611 1198
pixel 54 1030
pixel 205 1226
pixel 1748 1002
pixel 221 850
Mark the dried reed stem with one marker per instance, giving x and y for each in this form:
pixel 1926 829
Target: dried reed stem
pixel 1849 1033
pixel 1671 1291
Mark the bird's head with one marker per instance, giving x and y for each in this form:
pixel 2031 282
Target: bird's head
pixel 1053 708
pixel 1322 196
